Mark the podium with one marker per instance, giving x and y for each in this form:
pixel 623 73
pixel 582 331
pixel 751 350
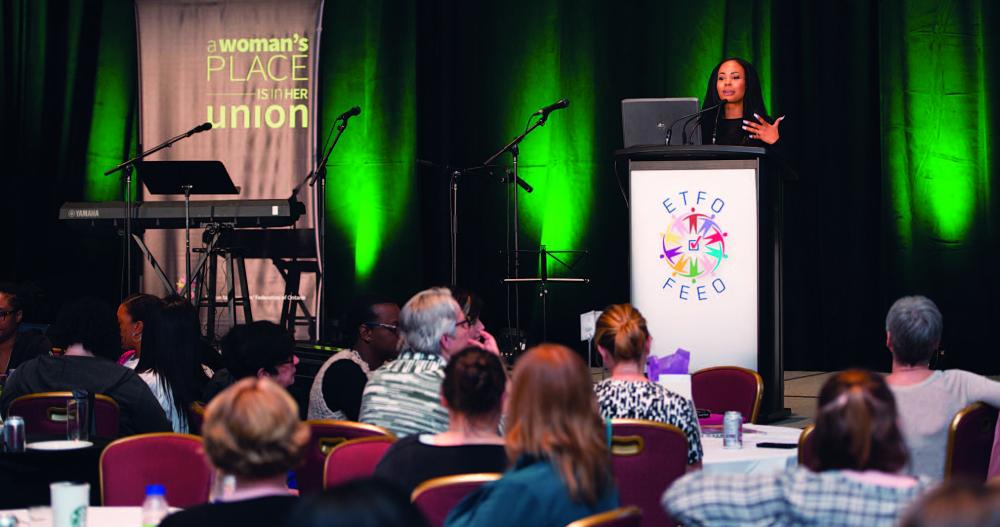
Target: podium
pixel 705 257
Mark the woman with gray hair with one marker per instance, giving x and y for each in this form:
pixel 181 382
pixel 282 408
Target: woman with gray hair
pixel 927 399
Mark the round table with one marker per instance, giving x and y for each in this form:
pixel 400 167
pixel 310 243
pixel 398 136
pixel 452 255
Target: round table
pixel 750 458
pixel 96 516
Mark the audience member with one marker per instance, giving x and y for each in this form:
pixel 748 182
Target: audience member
pixel 557 442
pixel 170 361
pixel 17 346
pixel 86 329
pixel 258 349
pixel 927 400
pixel 472 305
pixel 404 395
pixel 473 392
pixel 252 432
pixel 858 479
pixel 359 503
pixel 623 341
pixel 956 504
pixel 337 388
pixel 133 313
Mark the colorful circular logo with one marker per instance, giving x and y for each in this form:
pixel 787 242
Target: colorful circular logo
pixel 694 245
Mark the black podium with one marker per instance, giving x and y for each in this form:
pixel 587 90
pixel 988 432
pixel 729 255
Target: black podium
pixel 705 256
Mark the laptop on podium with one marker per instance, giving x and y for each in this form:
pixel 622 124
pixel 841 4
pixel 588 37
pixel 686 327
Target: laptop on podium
pixel 645 121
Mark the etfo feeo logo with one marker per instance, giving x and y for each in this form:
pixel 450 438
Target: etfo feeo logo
pixel 694 245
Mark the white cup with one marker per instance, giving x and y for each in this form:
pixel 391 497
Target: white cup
pixel 69 503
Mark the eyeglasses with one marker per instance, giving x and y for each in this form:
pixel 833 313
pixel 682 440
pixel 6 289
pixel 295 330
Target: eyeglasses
pixel 466 322
pixel 5 314
pixel 390 327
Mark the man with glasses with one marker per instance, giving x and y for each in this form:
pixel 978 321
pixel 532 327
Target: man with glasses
pixel 16 347
pixel 404 395
pixel 372 327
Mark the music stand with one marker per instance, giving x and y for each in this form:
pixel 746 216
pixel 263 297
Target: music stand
pixel 186 177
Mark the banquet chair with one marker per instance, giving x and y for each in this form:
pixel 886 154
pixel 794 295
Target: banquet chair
pixel 45 414
pixel 196 417
pixel 970 442
pixel 436 497
pixel 807 458
pixel 646 458
pixel 623 517
pixel 354 459
pixel 176 461
pixel 324 435
pixel 725 388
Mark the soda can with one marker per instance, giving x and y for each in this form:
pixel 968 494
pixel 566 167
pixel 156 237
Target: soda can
pixel 732 430
pixel 13 434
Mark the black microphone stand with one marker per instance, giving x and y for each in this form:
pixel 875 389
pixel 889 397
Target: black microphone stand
pixel 126 167
pixel 318 175
pixel 512 147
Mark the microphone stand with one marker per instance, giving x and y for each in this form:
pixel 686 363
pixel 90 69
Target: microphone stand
pixel 318 175
pixel 126 168
pixel 512 147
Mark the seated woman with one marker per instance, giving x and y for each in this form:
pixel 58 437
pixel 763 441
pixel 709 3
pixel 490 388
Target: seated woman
pixel 132 314
pixel 623 341
pixel 858 477
pixel 170 361
pixel 472 392
pixel 252 432
pixel 558 445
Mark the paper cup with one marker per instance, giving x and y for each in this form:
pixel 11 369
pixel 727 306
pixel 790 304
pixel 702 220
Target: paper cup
pixel 69 504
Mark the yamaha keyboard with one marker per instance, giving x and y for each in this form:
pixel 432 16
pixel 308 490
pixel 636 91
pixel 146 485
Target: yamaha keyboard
pixel 170 214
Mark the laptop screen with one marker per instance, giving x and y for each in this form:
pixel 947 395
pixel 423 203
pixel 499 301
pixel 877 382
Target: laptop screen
pixel 645 121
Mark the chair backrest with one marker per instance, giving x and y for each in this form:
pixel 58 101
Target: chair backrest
pixel 45 414
pixel 807 458
pixel 623 517
pixel 970 442
pixel 354 459
pixel 196 417
pixel 646 458
pixel 438 496
pixel 725 388
pixel 176 461
pixel 324 435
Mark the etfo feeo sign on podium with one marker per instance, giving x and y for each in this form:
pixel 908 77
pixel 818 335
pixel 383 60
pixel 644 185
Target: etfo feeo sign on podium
pixel 694 258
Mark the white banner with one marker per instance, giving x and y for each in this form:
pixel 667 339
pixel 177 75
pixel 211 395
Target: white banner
pixel 249 68
pixel 694 260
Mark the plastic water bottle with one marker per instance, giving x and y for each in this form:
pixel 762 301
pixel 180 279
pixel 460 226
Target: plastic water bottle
pixel 155 507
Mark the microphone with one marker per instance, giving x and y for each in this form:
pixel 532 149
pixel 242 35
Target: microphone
pixel 349 113
pixel 558 105
pixel 670 130
pixel 200 128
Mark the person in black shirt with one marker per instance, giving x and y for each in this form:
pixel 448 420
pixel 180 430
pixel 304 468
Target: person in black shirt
pixel 473 392
pixel 743 120
pixel 88 331
pixel 359 503
pixel 252 432
pixel 336 391
pixel 16 347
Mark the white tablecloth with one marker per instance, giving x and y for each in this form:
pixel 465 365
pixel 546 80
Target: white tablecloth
pixel 96 517
pixel 750 458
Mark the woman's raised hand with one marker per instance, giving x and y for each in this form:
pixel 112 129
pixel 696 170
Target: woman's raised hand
pixel 763 130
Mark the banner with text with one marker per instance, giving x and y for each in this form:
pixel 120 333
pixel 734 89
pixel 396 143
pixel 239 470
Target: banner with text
pixel 249 68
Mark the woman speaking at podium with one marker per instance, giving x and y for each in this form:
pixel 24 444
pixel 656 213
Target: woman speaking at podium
pixel 743 119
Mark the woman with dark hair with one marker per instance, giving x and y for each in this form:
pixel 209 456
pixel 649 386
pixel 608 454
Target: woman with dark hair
pixel 132 314
pixel 623 340
pixel 359 503
pixel 472 392
pixel 743 119
pixel 857 477
pixel 557 443
pixel 171 360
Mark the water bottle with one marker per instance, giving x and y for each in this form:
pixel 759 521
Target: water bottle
pixel 155 507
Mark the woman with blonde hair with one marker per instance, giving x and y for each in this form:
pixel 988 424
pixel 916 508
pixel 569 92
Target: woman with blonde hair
pixel 252 432
pixel 557 444
pixel 856 474
pixel 623 341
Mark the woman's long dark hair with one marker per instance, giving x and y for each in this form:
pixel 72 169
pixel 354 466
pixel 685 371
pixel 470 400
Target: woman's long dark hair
pixel 753 100
pixel 171 348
